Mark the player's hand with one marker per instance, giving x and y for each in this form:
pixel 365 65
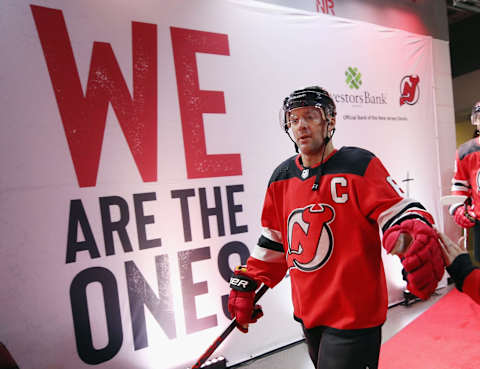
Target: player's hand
pixel 450 249
pixel 241 299
pixel 464 217
pixel 417 245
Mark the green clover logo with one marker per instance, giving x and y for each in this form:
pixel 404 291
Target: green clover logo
pixel 354 78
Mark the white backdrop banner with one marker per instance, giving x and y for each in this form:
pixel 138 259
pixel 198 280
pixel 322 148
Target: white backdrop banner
pixel 137 141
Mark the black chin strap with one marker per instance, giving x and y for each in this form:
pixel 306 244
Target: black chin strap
pixel 319 175
pixel 291 139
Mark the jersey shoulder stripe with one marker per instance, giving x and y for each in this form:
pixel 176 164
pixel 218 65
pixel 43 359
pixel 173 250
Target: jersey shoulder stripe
pixel 347 160
pixel 468 147
pixel 285 170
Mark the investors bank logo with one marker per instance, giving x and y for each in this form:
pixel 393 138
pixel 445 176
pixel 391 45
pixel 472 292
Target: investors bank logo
pixel 354 78
pixel 358 94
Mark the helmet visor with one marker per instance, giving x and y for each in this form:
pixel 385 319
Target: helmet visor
pixel 311 115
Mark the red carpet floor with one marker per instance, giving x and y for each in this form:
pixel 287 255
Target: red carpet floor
pixel 446 336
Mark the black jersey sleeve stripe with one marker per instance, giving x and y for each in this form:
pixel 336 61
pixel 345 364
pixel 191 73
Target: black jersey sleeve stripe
pixel 411 205
pixel 458 182
pixel 458 186
pixel 410 216
pixel 269 244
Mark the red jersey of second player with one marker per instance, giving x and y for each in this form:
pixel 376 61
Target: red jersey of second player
pixel 466 179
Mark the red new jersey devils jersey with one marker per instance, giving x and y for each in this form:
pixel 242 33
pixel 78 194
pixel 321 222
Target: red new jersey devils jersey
pixel 466 179
pixel 329 239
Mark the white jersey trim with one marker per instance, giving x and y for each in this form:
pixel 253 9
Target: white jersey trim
pixel 460 185
pixel 392 213
pixel 456 188
pixel 271 234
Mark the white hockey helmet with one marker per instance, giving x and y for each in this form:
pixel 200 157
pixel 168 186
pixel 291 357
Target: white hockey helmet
pixel 475 116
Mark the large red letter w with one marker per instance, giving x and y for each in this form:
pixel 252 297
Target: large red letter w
pixel 84 116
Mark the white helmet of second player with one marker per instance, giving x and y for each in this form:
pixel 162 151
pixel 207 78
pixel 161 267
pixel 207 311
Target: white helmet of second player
pixel 475 117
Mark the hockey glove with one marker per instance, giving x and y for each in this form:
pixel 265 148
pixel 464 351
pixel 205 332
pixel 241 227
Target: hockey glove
pixel 422 258
pixel 240 301
pixel 464 217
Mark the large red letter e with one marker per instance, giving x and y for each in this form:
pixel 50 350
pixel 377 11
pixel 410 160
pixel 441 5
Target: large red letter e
pixel 194 102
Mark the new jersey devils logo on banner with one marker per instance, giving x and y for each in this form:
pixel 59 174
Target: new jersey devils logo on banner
pixel 310 239
pixel 409 90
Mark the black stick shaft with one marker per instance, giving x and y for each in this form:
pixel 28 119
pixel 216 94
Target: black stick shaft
pixel 226 332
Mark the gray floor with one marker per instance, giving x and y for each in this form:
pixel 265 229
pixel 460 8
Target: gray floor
pixel 296 355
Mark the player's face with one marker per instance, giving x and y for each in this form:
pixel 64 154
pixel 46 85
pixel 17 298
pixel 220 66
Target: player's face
pixel 475 117
pixel 309 127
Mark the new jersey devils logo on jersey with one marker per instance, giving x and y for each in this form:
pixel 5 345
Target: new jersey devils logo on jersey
pixel 310 239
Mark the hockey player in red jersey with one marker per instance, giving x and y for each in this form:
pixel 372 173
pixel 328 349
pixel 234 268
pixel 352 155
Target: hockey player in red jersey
pixel 466 182
pixel 320 222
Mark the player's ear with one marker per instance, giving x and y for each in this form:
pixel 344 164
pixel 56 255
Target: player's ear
pixel 332 122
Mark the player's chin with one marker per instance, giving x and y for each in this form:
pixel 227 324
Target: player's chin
pixel 304 149
pixel 304 144
pixel 308 149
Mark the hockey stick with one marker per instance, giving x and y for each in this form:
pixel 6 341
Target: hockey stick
pixel 452 199
pixel 226 332
pixel 455 199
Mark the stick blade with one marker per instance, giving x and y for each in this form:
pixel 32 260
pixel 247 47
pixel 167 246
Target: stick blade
pixel 452 199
